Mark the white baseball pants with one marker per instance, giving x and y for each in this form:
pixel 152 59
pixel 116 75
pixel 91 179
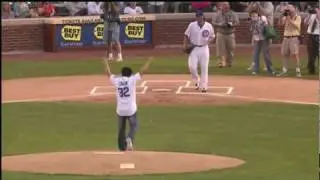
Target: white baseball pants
pixel 199 55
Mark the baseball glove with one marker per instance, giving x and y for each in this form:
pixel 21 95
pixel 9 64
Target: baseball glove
pixel 189 48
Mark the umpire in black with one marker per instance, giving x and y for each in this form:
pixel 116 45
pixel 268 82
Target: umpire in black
pixel 313 31
pixel 111 16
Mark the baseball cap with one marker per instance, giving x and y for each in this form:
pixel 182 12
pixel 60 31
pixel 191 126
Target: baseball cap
pixel 199 12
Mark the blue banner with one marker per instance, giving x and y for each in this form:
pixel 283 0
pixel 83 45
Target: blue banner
pixel 88 35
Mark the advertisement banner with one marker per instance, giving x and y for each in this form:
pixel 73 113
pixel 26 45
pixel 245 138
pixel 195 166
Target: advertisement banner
pixel 91 35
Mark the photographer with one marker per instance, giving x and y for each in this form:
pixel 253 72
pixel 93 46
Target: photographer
pixel 291 43
pixel 111 17
pixel 257 25
pixel 225 21
pixel 313 31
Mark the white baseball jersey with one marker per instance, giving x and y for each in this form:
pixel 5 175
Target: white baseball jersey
pixel 126 93
pixel 199 36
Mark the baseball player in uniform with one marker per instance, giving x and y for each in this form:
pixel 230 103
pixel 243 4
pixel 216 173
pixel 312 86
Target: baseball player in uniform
pixel 125 85
pixel 199 34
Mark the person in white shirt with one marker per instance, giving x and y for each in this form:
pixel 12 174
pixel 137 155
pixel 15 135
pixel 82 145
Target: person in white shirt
pixel 313 31
pixel 200 34
pixel 94 8
pixel 125 85
pixel 132 9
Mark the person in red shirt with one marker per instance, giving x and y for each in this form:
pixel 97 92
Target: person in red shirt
pixel 200 5
pixel 46 9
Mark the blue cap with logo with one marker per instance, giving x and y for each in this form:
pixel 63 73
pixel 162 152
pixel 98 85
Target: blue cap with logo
pixel 199 12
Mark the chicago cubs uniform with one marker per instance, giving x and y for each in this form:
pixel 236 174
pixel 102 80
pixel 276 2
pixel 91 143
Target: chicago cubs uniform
pixel 199 37
pixel 126 108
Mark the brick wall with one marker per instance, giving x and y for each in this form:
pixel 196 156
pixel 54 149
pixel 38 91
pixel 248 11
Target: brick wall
pixel 169 32
pixel 22 37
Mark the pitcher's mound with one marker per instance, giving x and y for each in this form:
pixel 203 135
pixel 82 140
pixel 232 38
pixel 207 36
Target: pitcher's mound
pixel 116 163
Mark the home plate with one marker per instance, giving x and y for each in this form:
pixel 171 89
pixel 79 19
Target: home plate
pixel 127 166
pixel 161 90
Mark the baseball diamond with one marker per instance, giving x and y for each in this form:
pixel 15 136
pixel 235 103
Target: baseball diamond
pixel 65 116
pixel 223 91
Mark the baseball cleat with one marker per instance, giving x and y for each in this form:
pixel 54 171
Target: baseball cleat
pixel 265 68
pixel 129 144
pixel 298 74
pixel 110 58
pixel 283 73
pixel 197 86
pixel 119 59
pixel 272 73
pixel 203 90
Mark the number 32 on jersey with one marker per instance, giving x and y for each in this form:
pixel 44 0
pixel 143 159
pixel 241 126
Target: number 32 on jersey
pixel 123 91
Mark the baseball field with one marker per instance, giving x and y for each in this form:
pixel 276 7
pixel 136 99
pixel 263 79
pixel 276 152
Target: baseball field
pixel 59 121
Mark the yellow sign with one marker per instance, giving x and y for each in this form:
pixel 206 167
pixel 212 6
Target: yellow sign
pixel 135 30
pixel 71 33
pixel 98 31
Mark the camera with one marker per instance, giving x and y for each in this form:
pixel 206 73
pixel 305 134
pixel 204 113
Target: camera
pixel 286 12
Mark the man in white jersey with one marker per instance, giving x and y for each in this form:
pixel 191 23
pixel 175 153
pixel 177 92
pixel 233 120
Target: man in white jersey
pixel 200 34
pixel 125 85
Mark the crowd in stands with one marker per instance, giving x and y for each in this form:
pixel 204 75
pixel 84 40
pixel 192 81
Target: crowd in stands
pixel 80 8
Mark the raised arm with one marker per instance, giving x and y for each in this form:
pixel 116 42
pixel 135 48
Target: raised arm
pixel 145 67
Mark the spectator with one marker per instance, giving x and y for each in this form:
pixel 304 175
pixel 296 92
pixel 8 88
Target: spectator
pixel 34 12
pixel 77 8
pixel 257 24
pixel 202 5
pixel 111 34
pixel 156 6
pixel 21 10
pixel 280 8
pixel 290 44
pixel 238 6
pixel 6 13
pixel 46 9
pixel 94 8
pixel 313 31
pixel 303 6
pixel 225 21
pixel 121 5
pixel 132 9
pixel 176 6
pixel 180 6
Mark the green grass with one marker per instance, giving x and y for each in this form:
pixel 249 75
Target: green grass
pixel 278 141
pixel 163 65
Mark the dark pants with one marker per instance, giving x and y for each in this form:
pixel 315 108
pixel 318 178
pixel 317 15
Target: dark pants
pixel 122 121
pixel 313 52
